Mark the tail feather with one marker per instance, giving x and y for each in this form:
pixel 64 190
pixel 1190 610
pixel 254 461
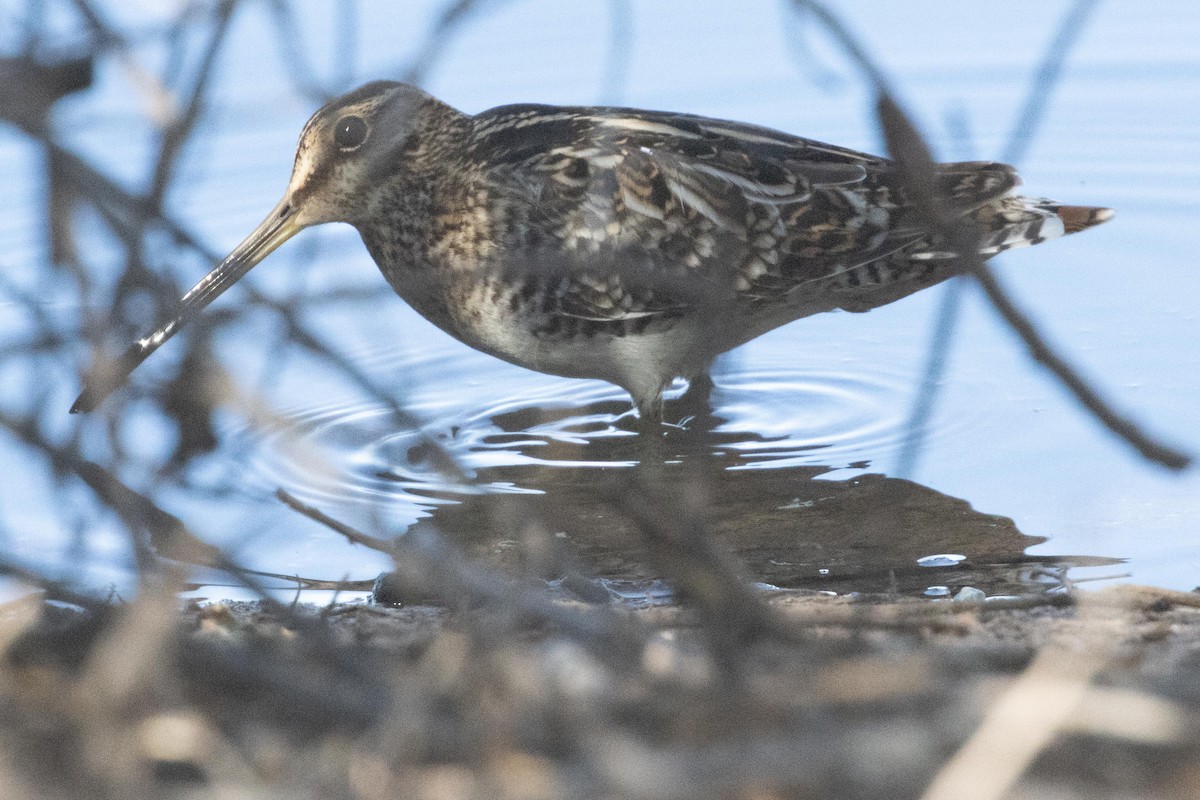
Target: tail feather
pixel 1080 218
pixel 1005 222
pixel 1015 221
pixel 980 190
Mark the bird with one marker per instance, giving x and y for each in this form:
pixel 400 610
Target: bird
pixel 611 243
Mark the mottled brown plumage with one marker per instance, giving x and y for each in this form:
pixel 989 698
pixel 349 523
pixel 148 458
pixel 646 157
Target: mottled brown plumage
pixel 632 246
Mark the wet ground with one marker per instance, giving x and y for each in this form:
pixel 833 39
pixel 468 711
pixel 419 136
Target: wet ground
pixel 819 697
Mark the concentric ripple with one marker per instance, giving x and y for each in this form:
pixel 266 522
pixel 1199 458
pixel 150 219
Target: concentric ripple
pixel 492 420
pixel 791 417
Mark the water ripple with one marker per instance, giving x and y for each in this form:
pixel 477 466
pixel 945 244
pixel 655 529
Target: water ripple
pixel 791 417
pixel 772 417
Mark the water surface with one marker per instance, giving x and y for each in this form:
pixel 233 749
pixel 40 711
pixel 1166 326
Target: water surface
pixel 799 459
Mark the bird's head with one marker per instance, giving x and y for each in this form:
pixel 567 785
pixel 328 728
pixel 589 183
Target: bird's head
pixel 349 150
pixel 355 145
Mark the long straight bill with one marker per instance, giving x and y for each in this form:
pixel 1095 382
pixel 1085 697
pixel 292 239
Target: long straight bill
pixel 276 229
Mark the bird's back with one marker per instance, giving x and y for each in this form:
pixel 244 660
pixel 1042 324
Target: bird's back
pixel 694 235
pixel 677 206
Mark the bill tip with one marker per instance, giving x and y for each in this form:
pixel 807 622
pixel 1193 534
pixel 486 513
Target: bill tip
pixel 82 404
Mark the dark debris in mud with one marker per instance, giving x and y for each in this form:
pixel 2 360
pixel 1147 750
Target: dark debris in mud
pixel 1094 696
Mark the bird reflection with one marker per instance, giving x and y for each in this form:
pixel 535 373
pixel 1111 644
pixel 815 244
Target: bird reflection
pixel 787 526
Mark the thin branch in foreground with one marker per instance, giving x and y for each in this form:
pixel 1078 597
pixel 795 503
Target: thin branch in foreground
pixel 353 535
pixel 439 38
pixel 180 129
pixel 910 150
pixel 1020 725
pixel 1032 111
pixel 907 146
pixel 1045 355
pixel 917 427
pixel 1046 79
pixel 620 48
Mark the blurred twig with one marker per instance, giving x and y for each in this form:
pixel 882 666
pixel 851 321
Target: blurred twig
pixel 1047 77
pixel 352 534
pixel 935 367
pixel 620 51
pixel 428 566
pixel 452 18
pixel 295 53
pixel 1072 25
pixel 681 547
pixel 1044 354
pixel 912 155
pixel 182 126
pixel 1022 723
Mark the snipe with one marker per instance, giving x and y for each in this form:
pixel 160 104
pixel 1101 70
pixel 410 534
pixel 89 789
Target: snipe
pixel 632 246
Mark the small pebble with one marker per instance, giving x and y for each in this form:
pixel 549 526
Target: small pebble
pixel 941 560
pixel 969 594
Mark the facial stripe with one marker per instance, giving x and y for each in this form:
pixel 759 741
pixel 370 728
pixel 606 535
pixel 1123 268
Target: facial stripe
pixel 313 160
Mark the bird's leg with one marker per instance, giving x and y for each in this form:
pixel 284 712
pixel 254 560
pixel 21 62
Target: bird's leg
pixel 650 416
pixel 651 440
pixel 697 400
pixel 693 411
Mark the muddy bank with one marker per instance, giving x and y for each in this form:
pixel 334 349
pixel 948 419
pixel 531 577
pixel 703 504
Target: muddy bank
pixel 541 697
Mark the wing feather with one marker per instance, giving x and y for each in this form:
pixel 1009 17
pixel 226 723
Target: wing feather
pixel 663 209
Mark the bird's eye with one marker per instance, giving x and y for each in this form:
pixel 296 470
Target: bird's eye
pixel 349 132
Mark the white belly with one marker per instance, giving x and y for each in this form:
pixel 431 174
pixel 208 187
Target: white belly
pixel 642 364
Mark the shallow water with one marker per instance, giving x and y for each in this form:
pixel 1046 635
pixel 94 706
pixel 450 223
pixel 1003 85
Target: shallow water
pixel 799 459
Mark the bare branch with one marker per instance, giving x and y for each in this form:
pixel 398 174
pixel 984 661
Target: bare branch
pixel 907 146
pixel 353 535
pixel 1049 73
pixel 1045 355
